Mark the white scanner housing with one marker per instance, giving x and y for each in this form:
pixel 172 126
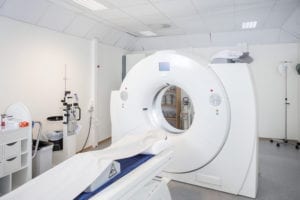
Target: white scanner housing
pixel 219 150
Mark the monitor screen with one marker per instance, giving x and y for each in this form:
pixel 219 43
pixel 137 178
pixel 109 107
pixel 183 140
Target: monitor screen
pixel 164 66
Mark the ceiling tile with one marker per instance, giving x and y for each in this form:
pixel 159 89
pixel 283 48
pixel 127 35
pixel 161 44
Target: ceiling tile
pixel 72 5
pixel 214 7
pixel 98 31
pixel 212 3
pixel 126 3
pixel 69 4
pixel 141 10
pixel 57 18
pixel 192 24
pixel 160 0
pixel 265 36
pixel 174 42
pixel 81 26
pixel 170 31
pixel 292 25
pixel 187 18
pixel 156 43
pixel 2 3
pixel 247 13
pixel 111 14
pixel 176 8
pixel 250 37
pixel 127 42
pixel 196 30
pixel 28 11
pixel 253 2
pixel 112 37
pixel 197 40
pixel 154 19
pixel 280 13
pixel 135 30
pixel 122 21
pixel 221 23
pixel 287 37
pixel 138 46
pixel 129 24
pixel 253 5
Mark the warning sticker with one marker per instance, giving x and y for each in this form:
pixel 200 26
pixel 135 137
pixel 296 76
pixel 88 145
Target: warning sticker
pixel 113 171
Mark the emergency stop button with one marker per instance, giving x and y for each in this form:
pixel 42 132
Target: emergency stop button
pixel 215 99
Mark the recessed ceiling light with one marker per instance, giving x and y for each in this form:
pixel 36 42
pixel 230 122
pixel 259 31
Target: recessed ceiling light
pixel 91 4
pixel 148 33
pixel 249 25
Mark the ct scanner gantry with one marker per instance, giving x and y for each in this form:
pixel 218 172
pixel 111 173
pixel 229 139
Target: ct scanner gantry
pixel 219 150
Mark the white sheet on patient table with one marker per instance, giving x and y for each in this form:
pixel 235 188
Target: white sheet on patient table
pixel 70 178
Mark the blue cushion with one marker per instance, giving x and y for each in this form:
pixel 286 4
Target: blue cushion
pixel 127 165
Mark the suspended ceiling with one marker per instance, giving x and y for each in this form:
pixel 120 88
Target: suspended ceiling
pixel 178 23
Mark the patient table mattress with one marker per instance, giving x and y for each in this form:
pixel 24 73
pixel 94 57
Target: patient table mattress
pixel 127 165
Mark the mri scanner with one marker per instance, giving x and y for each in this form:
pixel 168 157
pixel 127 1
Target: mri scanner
pixel 219 150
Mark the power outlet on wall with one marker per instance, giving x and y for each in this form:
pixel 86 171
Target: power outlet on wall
pixel 91 107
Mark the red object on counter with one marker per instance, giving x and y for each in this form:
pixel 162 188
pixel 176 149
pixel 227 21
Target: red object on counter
pixel 23 124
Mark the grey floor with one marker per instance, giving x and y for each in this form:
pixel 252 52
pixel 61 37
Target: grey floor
pixel 279 178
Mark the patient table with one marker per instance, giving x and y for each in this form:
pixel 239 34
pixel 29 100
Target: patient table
pixel 142 157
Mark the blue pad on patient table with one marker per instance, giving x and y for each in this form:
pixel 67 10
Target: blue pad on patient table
pixel 127 165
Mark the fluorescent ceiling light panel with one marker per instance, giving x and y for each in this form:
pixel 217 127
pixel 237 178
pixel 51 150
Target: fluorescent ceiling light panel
pixel 148 33
pixel 91 4
pixel 249 25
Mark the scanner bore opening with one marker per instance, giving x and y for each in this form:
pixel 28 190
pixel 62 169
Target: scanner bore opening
pixel 175 109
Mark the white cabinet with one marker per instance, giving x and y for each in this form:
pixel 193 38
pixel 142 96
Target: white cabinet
pixel 1 168
pixel 15 158
pixel 1 152
pixel 11 150
pixel 12 164
pixel 15 152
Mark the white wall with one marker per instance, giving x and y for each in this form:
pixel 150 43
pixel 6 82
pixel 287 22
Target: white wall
pixel 133 59
pixel 32 61
pixel 109 78
pixel 269 85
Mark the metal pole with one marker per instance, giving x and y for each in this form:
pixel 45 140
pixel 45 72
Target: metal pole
pixel 286 103
pixel 65 78
pixel 286 100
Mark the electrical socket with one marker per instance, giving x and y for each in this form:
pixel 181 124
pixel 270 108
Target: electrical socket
pixel 91 106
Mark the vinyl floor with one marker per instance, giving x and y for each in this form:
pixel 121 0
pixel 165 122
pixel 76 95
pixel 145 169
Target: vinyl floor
pixel 279 177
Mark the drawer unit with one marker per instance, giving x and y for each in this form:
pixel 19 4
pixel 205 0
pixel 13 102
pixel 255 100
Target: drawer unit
pixel 8 136
pixel 12 165
pixel 15 151
pixel 12 149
